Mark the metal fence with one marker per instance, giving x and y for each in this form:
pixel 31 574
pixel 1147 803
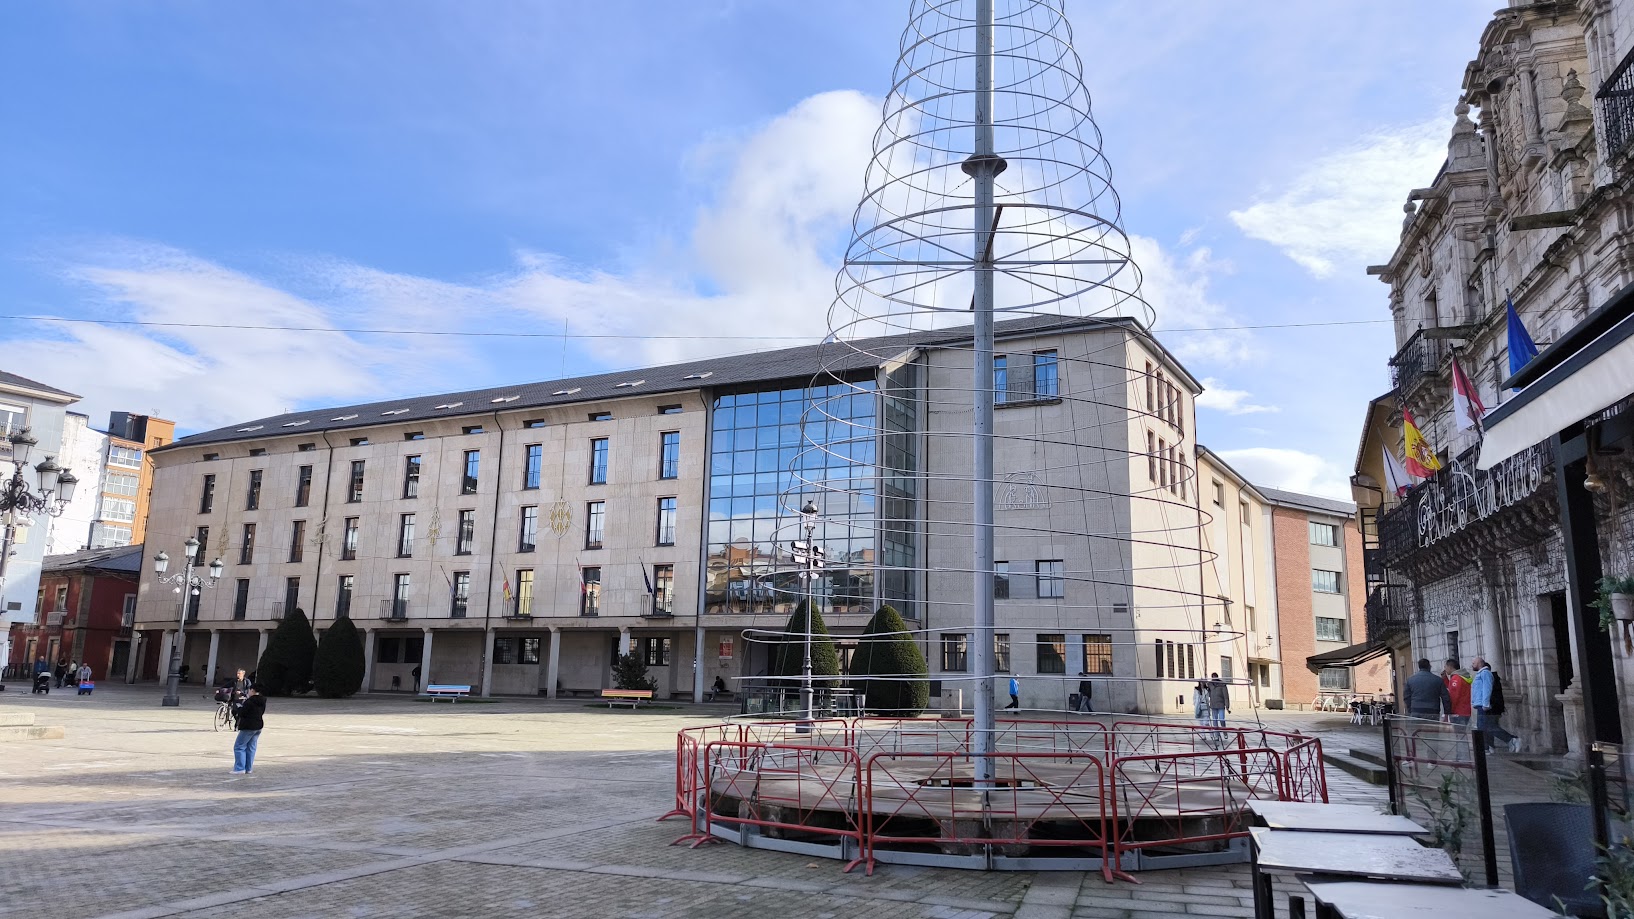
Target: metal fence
pixel 1438 778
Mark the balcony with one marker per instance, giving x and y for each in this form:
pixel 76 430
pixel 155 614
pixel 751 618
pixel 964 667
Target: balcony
pixel 54 618
pixel 1389 611
pixel 1418 360
pixel 394 610
pixel 1615 100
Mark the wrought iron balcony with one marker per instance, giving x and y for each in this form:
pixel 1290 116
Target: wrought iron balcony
pixel 1389 610
pixel 1417 360
pixel 1616 103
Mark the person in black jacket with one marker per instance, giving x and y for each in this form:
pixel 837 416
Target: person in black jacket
pixel 250 715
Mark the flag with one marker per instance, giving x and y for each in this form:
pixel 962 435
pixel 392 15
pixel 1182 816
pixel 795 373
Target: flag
pixel 1395 476
pixel 1466 402
pixel 448 579
pixel 1521 348
pixel 505 588
pixel 651 591
pixel 1421 460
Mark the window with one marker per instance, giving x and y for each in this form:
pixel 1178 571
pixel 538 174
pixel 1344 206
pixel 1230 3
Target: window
pixel 669 410
pixel 115 484
pixel 468 484
pixel 666 521
pixel 1046 375
pixel 1225 667
pixel 1051 581
pixel 359 441
pixel 207 499
pixel 534 423
pixel 595 519
pixel 530 529
pixel 471 429
pixel 1191 662
pixel 1001 378
pixel 121 509
pixel 252 500
pixel 459 590
pixel 348 540
pixel 204 541
pixel 529 650
pixel 1334 678
pixel 414 435
pixel 598 461
pixel 467 539
pixel 1452 646
pixel 411 476
pixel 524 591
pixel 130 457
pixel 292 595
pixel 1151 399
pixel 1001 580
pixel 1098 654
pixel 601 416
pixel 1151 456
pixel 405 535
pixel 62 600
pixel 399 596
pixel 306 448
pixel 955 649
pixel 663 587
pixel 1001 652
pixel 589 591
pixel 343 596
pixel 1324 534
pixel 303 486
pixel 246 549
pixel 1330 629
pixel 355 493
pixel 241 599
pixel 258 451
pixel 669 455
pixel 505 650
pixel 1162 463
pixel 530 466
pixel 12 418
pixel 655 651
pixel 297 540
pixel 1052 654
pixel 1325 582
pixel 1219 495
pixel 127 616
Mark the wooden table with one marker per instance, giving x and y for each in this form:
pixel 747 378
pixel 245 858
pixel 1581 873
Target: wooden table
pixel 1370 900
pixel 1332 818
pixel 1341 855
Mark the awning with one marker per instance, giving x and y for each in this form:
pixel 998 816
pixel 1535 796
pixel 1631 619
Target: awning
pixel 1589 369
pixel 1346 657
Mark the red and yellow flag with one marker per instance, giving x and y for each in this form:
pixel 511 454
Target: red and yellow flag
pixel 1420 460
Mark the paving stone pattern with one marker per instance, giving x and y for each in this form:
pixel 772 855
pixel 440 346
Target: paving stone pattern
pixel 384 807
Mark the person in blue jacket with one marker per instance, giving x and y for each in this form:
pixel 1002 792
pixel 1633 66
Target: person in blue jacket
pixel 1015 693
pixel 1486 697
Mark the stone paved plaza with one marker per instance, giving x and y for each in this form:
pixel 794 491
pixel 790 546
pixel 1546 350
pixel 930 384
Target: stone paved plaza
pixel 387 807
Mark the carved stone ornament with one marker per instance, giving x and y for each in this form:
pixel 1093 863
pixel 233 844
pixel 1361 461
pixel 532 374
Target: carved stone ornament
pixel 1020 491
pixel 560 518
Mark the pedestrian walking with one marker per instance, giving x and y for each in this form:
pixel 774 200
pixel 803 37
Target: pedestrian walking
pixel 250 718
pixel 1219 700
pixel 1085 690
pixel 1199 703
pixel 1458 689
pixel 61 672
pixel 1426 694
pixel 1015 693
pixel 416 673
pixel 1487 698
pixel 82 680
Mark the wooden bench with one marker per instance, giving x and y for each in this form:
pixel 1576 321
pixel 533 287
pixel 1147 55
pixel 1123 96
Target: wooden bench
pixel 631 697
pixel 450 691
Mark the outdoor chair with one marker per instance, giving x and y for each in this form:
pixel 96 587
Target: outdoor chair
pixel 1551 849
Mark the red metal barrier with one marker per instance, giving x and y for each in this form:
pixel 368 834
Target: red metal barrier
pixel 690 780
pixel 1305 773
pixel 1181 792
pixel 792 788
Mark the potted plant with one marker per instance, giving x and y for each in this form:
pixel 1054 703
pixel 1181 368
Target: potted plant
pixel 1616 601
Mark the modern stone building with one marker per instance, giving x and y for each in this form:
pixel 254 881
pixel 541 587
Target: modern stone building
pixel 1531 206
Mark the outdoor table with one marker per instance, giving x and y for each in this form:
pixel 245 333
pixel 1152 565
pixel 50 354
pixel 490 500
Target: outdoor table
pixel 1332 818
pixel 1345 855
pixel 1365 900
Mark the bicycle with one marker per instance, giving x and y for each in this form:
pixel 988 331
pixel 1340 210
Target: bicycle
pixel 226 717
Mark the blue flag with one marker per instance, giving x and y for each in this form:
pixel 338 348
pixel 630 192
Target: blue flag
pixel 1521 348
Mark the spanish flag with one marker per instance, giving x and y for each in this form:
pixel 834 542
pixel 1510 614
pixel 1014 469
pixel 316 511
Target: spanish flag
pixel 1420 459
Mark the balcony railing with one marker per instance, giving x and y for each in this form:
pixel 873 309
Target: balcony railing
pixel 1420 358
pixel 394 609
pixel 1389 610
pixel 1616 103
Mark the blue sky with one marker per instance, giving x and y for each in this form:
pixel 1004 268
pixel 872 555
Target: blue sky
pixel 639 167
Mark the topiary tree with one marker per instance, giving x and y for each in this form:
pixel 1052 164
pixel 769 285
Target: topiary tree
pixel 630 672
pixel 789 651
pixel 286 665
pixel 337 669
pixel 888 649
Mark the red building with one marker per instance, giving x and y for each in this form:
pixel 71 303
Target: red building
pixel 87 601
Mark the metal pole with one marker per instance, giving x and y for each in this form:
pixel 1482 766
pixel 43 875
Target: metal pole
pixel 1483 801
pixel 1390 777
pixel 805 664
pixel 982 167
pixel 173 688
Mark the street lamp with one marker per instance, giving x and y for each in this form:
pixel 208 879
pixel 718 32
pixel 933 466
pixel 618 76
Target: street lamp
pixel 811 555
pixel 188 585
pixel 19 502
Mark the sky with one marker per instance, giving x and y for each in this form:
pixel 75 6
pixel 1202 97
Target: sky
pixel 645 177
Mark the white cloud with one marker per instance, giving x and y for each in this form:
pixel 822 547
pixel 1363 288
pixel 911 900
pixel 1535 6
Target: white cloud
pixel 1291 470
pixel 1176 286
pixel 1346 207
pixel 1231 401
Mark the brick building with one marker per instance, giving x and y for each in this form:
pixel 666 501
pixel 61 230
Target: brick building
pixel 87 601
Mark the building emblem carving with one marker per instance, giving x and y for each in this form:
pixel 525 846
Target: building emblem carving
pixel 1021 492
pixel 560 519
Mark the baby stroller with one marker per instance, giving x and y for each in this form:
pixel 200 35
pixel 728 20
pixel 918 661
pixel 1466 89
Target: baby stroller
pixel 42 682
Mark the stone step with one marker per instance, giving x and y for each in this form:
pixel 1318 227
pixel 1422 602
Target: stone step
pixel 1367 756
pixel 34 732
pixel 1360 768
pixel 16 719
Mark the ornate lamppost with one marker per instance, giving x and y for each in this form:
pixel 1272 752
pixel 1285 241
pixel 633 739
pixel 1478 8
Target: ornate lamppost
pixel 19 502
pixel 188 585
pixel 810 555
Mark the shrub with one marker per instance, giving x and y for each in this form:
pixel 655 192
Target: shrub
pixel 789 650
pixel 630 672
pixel 337 670
pixel 286 665
pixel 888 649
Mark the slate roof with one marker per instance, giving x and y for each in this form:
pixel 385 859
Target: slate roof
pixel 1309 502
pixel 12 379
pixel 710 373
pixel 126 559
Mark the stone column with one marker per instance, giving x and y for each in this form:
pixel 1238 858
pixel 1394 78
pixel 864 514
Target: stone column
pixel 368 660
pixel 210 661
pixel 698 662
pixel 487 663
pixel 261 636
pixel 167 640
pixel 624 640
pixel 133 663
pixel 425 660
pixel 553 664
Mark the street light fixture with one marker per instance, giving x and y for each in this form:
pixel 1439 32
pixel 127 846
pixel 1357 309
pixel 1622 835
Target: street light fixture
pixel 811 556
pixel 188 585
pixel 19 502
